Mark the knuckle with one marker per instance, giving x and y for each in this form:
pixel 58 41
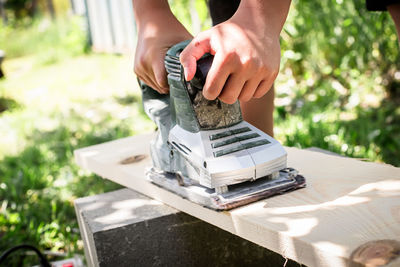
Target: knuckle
pixel 142 60
pixel 250 64
pixel 260 67
pixel 228 99
pixel 247 65
pixel 274 73
pixel 210 93
pixel 264 70
pixel 138 71
pixel 246 94
pixel 260 92
pixel 258 95
pixel 244 98
pixel 196 43
pixel 271 70
pixel 230 56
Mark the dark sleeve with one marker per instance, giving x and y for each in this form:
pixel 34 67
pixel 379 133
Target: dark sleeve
pixel 380 5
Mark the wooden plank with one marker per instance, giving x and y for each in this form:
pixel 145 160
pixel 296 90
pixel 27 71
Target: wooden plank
pixel 348 207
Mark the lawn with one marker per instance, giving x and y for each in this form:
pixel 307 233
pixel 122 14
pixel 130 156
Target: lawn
pixel 57 97
pixel 50 109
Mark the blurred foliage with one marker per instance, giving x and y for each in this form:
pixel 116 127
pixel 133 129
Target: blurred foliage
pixel 39 185
pixel 21 8
pixel 47 111
pixel 339 83
pixel 191 12
pixel 50 41
pixel 339 40
pixel 7 104
pixel 23 11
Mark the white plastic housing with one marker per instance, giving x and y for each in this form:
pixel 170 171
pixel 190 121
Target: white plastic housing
pixel 232 168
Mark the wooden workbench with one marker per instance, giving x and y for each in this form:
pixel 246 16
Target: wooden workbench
pixel 349 212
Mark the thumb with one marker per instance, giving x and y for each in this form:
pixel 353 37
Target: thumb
pixel 193 52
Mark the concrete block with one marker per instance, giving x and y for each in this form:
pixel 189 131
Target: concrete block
pixel 125 228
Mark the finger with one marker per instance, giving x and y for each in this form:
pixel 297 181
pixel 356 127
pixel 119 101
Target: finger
pixel 141 73
pixel 147 76
pixel 138 76
pixel 150 81
pixel 216 78
pixel 249 89
pixel 193 52
pixel 232 88
pixel 160 75
pixel 151 76
pixel 143 79
pixel 262 88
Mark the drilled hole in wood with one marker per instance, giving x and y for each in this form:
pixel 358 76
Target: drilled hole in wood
pixel 133 159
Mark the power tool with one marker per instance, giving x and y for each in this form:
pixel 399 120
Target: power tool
pixel 204 151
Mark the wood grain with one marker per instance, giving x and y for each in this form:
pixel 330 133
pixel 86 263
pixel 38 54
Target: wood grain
pixel 347 203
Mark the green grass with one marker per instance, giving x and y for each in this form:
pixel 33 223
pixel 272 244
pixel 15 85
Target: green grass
pixel 364 124
pixel 61 107
pixel 49 41
pixel 49 109
pixel 339 85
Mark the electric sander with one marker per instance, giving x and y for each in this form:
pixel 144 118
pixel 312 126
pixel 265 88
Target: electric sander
pixel 204 151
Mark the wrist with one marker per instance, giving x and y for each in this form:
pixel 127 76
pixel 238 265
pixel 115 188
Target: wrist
pixel 268 16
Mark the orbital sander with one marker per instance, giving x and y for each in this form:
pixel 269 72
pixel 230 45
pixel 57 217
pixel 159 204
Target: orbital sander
pixel 204 151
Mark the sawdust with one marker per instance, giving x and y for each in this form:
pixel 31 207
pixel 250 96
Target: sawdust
pixel 212 114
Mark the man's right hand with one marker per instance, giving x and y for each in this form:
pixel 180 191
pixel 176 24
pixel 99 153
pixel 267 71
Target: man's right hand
pixel 158 30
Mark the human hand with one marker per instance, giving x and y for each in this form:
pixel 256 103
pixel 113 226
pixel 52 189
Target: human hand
pixel 156 34
pixel 246 53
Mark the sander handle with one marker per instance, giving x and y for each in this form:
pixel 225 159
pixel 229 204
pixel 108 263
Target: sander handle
pixel 203 66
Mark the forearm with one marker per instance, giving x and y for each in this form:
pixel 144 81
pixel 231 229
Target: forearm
pixel 151 11
pixel 271 14
pixel 395 13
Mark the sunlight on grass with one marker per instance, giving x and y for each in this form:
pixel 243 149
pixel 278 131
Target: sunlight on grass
pixel 75 103
pixel 82 85
pixel 50 109
pixel 48 41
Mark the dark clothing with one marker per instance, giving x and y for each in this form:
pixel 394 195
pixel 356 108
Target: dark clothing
pixel 380 5
pixel 222 10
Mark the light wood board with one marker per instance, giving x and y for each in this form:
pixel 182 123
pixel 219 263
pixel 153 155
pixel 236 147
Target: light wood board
pixel 348 207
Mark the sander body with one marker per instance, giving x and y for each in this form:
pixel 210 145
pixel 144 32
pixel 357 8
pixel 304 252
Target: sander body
pixel 204 151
